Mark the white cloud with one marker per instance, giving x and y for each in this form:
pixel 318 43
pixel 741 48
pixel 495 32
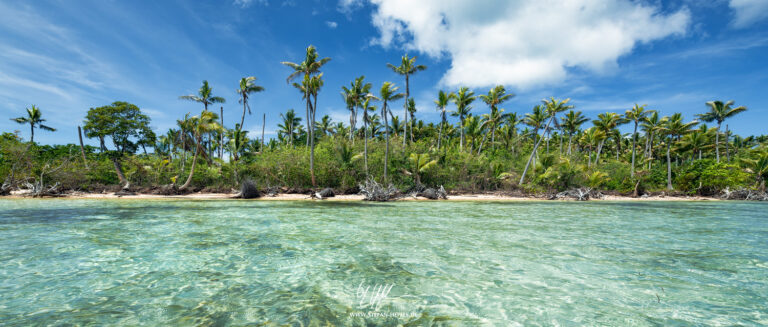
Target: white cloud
pixel 246 3
pixel 347 6
pixel 521 43
pixel 331 25
pixel 748 11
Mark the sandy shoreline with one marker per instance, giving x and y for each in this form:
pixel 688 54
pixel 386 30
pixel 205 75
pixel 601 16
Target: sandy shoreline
pixel 356 197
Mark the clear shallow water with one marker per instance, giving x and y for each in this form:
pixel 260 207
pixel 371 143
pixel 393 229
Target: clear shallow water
pixel 211 263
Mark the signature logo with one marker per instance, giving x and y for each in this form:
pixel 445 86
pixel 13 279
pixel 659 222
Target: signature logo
pixel 372 296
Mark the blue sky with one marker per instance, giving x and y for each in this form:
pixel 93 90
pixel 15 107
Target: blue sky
pixel 68 56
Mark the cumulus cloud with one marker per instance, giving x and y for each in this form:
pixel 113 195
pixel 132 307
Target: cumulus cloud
pixel 521 43
pixel 748 11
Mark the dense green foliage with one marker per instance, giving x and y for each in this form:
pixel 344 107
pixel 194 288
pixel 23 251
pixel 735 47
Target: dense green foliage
pixel 548 149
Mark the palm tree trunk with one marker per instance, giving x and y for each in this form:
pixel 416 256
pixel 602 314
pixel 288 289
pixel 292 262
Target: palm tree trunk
pixel 405 108
pixel 570 136
pixel 535 146
pixel 386 135
pixel 194 163
pixel 599 150
pixel 634 141
pixel 242 119
pixel 120 175
pixel 32 133
pixel 461 129
pixel 365 145
pixel 221 135
pixel 312 145
pixel 717 142
pixel 669 167
pixel 263 124
pixel 440 134
pixel 727 145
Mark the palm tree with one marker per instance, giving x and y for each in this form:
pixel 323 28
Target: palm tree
pixel 591 138
pixel 719 111
pixel 536 120
pixel 651 126
pixel 310 70
pixel 410 106
pixel 553 108
pixel 205 123
pixel 607 122
pixel 636 115
pixel 407 68
pixel 463 99
pixel 572 124
pixel 696 141
pixel 289 125
pixel 325 126
pixel 493 120
pixel 674 128
pixel 442 101
pixel 354 96
pixel 33 118
pixel 387 94
pixel 366 106
pixel 421 164
pixel 759 167
pixel 204 96
pixel 247 87
pixel 495 97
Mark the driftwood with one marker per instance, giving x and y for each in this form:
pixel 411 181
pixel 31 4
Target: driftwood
pixel 744 194
pixel 248 190
pixel 373 191
pixel 579 194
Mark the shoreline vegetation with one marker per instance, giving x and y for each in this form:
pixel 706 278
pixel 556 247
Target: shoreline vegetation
pixel 476 150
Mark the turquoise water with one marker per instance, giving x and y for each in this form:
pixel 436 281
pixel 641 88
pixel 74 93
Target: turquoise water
pixel 270 263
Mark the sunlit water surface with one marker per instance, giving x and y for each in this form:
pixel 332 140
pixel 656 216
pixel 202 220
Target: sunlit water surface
pixel 270 263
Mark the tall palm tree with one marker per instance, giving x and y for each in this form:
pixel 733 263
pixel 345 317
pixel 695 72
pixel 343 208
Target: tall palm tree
pixel 553 108
pixel 590 139
pixel 205 123
pixel 387 94
pixel 312 81
pixel 495 97
pixel 493 120
pixel 719 111
pixel 442 101
pixel 410 106
pixel 637 114
pixel 407 68
pixel 247 87
pixel 33 118
pixel 572 124
pixel 674 128
pixel 463 99
pixel 204 95
pixel 366 106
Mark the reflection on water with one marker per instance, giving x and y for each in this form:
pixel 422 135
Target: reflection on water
pixel 213 263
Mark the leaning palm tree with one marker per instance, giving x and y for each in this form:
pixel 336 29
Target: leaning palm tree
pixel 719 111
pixel 674 128
pixel 572 124
pixel 463 99
pixel 407 68
pixel 34 119
pixel 247 87
pixel 442 101
pixel 204 96
pixel 387 94
pixel 637 114
pixel 495 97
pixel 205 123
pixel 553 108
